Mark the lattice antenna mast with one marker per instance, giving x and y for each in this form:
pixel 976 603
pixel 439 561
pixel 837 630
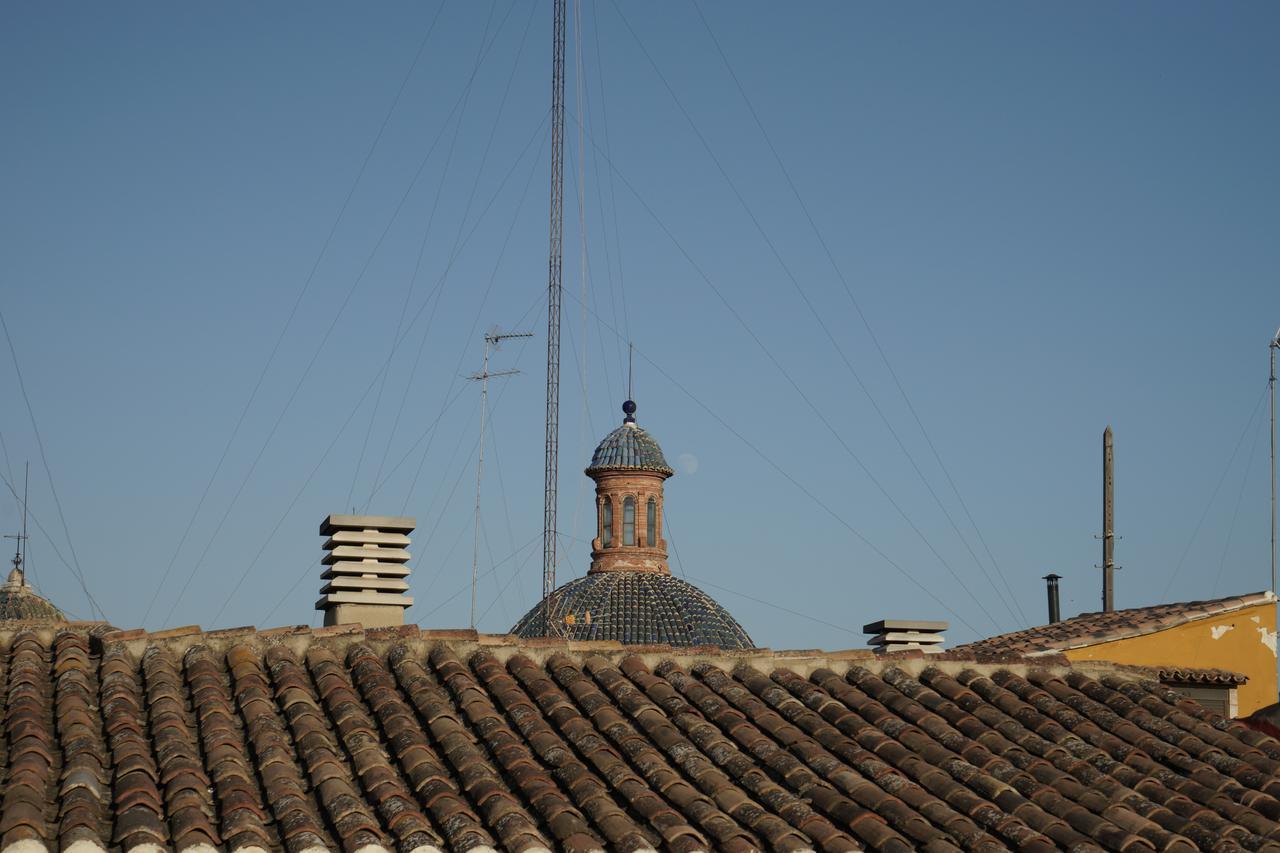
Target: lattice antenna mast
pixel 492 341
pixel 552 472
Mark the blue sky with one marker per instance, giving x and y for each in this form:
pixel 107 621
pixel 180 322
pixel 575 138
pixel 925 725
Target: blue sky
pixel 1052 217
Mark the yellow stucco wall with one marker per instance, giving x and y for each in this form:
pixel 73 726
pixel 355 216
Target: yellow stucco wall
pixel 1243 640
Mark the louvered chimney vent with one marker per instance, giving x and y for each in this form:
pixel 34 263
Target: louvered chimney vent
pixel 896 635
pixel 365 570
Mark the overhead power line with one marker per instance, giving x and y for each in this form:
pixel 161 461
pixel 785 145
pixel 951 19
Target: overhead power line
pixel 44 461
pixel 506 508
pixel 516 571
pixel 493 277
pixel 1195 531
pixel 5 447
pixel 447 599
pixel 297 302
pixel 884 358
pixel 785 474
pixel 462 220
pixel 319 464
pixel 446 403
pixel 1235 512
pixel 799 392
pixel 326 335
pixel 48 537
pixel 774 605
pixel 822 324
pixel 613 198
pixel 430 430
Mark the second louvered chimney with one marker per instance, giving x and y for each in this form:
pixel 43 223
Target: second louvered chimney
pixel 896 635
pixel 365 566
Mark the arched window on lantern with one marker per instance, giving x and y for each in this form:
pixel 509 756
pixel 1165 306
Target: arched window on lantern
pixel 651 524
pixel 629 521
pixel 606 523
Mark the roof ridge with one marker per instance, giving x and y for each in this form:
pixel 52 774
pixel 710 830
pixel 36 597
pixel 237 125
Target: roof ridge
pixel 1087 629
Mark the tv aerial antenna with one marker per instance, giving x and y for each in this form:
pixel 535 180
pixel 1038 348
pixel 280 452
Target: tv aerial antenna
pixel 492 342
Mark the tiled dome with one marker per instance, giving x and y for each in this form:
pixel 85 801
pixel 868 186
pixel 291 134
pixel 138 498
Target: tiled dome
pixel 636 607
pixel 629 448
pixel 18 601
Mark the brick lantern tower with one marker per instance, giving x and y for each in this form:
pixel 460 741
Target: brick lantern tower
pixel 629 470
pixel 628 594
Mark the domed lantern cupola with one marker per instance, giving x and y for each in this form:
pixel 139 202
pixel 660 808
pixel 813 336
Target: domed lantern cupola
pixel 629 469
pixel 629 594
pixel 18 601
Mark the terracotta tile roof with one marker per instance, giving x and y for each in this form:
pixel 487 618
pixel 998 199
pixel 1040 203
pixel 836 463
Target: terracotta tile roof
pixel 1265 720
pixel 1089 629
pixel 1186 675
pixel 359 741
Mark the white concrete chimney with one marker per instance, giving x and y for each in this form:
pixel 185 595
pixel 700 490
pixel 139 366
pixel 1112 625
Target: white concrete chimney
pixel 366 570
pixel 896 635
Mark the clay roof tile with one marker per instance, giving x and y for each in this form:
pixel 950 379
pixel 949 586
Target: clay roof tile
pixel 381 738
pixel 1107 626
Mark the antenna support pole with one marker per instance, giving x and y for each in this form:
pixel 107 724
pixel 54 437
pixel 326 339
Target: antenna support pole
pixel 1108 523
pixel 552 470
pixel 1271 383
pixel 492 341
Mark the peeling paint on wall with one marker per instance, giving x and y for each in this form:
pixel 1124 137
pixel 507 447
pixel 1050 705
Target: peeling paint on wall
pixel 1268 638
pixel 1218 630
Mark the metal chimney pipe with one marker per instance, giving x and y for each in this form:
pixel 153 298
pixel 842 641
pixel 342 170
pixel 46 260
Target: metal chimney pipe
pixel 1055 613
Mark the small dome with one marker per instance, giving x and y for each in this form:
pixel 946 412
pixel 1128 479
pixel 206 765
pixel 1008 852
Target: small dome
pixel 629 448
pixel 18 601
pixel 636 607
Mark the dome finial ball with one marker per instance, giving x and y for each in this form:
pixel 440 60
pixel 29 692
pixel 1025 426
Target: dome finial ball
pixel 629 409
